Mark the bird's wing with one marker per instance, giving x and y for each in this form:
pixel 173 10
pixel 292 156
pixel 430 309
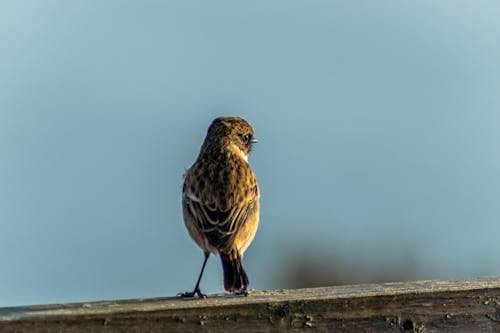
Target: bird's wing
pixel 219 226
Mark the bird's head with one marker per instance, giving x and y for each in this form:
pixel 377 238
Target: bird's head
pixel 233 133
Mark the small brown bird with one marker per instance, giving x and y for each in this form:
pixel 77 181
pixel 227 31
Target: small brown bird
pixel 220 200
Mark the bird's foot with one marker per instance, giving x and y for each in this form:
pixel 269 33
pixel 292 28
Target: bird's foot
pixel 243 292
pixel 196 292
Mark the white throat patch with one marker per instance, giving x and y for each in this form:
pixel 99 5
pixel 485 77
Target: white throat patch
pixel 238 151
pixel 245 156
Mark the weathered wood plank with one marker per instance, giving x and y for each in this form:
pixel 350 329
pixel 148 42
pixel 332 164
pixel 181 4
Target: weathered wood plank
pixel 470 305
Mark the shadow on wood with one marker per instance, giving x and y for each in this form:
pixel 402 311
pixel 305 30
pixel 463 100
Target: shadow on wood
pixel 471 305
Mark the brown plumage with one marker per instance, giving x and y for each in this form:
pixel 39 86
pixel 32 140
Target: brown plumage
pixel 220 199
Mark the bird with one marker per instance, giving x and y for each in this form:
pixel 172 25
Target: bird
pixel 220 200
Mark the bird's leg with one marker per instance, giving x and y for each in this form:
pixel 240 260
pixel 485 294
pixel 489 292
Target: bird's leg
pixel 197 290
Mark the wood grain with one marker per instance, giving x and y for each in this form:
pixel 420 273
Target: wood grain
pixel 468 305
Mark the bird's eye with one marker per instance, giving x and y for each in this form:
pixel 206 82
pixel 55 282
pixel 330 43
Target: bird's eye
pixel 247 137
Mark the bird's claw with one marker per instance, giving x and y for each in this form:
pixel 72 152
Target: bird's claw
pixel 192 294
pixel 242 292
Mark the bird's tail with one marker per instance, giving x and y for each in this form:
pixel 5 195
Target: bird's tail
pixel 235 278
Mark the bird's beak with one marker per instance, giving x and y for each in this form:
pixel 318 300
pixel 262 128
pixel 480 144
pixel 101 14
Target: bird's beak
pixel 254 140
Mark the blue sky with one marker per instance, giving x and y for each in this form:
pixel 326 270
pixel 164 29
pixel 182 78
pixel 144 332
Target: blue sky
pixel 378 124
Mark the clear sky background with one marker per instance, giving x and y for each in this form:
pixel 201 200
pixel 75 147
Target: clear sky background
pixel 379 128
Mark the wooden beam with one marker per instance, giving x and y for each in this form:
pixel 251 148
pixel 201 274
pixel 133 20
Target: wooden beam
pixel 469 305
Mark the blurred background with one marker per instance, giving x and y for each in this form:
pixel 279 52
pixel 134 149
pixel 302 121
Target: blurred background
pixel 379 129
